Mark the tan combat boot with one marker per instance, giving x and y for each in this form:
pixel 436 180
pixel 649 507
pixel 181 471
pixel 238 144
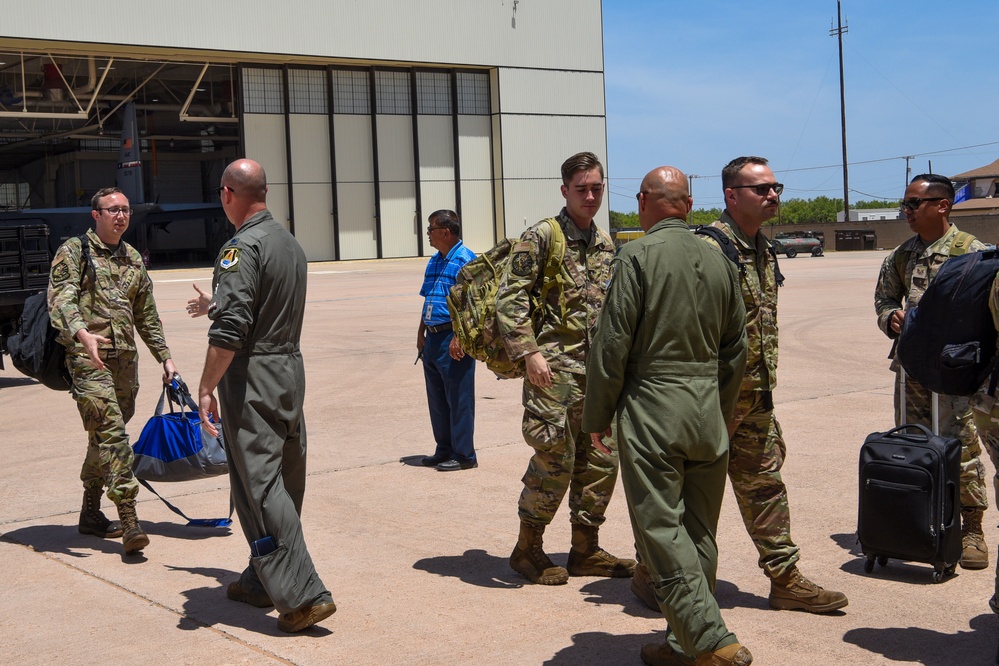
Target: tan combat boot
pixel 641 586
pixel 661 654
pixel 92 519
pixel 974 552
pixel 793 591
pixel 587 558
pixel 529 559
pixel 133 538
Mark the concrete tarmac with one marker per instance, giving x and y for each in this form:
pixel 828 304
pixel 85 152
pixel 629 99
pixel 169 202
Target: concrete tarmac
pixel 417 559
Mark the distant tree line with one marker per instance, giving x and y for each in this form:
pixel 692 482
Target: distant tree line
pixel 792 211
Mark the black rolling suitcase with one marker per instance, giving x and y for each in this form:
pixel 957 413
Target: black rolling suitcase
pixel 910 507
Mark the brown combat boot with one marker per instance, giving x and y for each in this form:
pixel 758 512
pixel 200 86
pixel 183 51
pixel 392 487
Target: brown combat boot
pixel 974 552
pixel 92 519
pixel 133 538
pixel 641 586
pixel 529 559
pixel 793 591
pixel 587 558
pixel 734 655
pixel 661 654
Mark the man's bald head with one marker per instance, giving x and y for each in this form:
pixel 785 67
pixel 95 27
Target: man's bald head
pixel 247 179
pixel 664 194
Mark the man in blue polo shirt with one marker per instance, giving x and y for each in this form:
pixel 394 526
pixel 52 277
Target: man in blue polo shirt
pixel 449 373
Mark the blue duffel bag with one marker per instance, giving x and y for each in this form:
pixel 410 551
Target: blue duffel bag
pixel 173 446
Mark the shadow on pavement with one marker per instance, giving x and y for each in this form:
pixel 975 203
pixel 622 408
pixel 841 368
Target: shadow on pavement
pixel 475 567
pixel 180 531
pixel 415 461
pixel 6 382
pixel 600 648
pixel 729 595
pixel 848 542
pixel 63 540
pixel 617 591
pixel 932 648
pixel 208 606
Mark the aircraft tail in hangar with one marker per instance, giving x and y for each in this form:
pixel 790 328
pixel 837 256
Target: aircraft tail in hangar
pixel 129 175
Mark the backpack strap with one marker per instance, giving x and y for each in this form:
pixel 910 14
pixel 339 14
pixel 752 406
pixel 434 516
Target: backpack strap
pixel 553 264
pixel 962 244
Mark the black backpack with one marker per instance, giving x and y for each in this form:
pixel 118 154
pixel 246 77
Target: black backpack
pixel 33 348
pixel 729 250
pixel 948 341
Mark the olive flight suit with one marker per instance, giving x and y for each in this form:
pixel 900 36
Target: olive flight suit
pixel 666 363
pixel 257 310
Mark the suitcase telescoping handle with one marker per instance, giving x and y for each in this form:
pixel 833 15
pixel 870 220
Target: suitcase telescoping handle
pixel 897 432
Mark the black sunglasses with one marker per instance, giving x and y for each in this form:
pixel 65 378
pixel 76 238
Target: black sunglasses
pixel 915 202
pixel 763 189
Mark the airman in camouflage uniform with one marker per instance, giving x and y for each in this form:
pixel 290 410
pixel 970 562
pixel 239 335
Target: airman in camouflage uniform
pixel 553 340
pixel 905 275
pixel 985 410
pixel 97 303
pixel 757 450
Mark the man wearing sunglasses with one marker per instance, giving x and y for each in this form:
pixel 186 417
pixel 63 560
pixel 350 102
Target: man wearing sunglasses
pixel 99 297
pixel 905 275
pixel 448 372
pixel 757 450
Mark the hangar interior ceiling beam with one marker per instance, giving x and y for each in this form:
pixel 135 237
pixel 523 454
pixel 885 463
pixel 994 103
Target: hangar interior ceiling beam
pixel 52 102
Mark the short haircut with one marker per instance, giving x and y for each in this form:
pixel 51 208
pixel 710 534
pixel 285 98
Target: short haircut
pixel 732 169
pixel 447 219
pixel 580 162
pixel 104 192
pixel 938 186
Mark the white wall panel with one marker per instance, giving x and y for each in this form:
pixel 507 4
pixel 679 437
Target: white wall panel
pixel 477 215
pixel 310 162
pixel 355 187
pixel 437 189
pixel 534 148
pixel 474 151
pixel 314 220
pixel 557 92
pixel 561 34
pixel 397 186
pixel 264 133
pixel 277 202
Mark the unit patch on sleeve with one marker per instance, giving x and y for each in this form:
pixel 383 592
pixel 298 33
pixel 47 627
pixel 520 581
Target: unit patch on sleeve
pixel 60 272
pixel 522 263
pixel 229 258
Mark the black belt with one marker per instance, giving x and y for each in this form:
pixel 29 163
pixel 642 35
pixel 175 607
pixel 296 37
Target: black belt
pixel 439 328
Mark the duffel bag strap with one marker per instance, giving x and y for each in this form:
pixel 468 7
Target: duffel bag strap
pixel 192 522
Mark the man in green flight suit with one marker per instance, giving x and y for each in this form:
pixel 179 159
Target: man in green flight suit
pixel 99 297
pixel 553 339
pixel 757 448
pixel 257 307
pixel 671 340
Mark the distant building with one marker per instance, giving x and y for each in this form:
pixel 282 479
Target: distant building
pixel 977 192
pixel 367 116
pixel 871 214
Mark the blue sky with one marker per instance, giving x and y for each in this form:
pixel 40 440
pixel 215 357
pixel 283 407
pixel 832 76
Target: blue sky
pixel 695 84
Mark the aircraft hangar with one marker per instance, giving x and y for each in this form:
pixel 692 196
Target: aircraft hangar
pixel 366 114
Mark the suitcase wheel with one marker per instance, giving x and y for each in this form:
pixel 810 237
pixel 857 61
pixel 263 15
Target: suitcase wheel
pixel 869 564
pixel 883 561
pixel 938 576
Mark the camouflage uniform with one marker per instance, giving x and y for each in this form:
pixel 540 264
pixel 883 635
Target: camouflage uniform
pixel 564 458
pixel 757 447
pixel 115 300
pixel 985 410
pixel 905 274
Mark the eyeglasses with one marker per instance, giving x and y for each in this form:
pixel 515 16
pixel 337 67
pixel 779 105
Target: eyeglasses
pixel 429 229
pixel 638 195
pixel 914 203
pixel 117 210
pixel 218 190
pixel 763 189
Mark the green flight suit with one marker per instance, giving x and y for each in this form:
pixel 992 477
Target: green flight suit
pixel 257 310
pixel 667 361
pixel 111 296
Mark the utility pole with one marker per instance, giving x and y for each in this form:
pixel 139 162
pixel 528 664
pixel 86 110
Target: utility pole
pixel 907 171
pixel 838 32
pixel 690 193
